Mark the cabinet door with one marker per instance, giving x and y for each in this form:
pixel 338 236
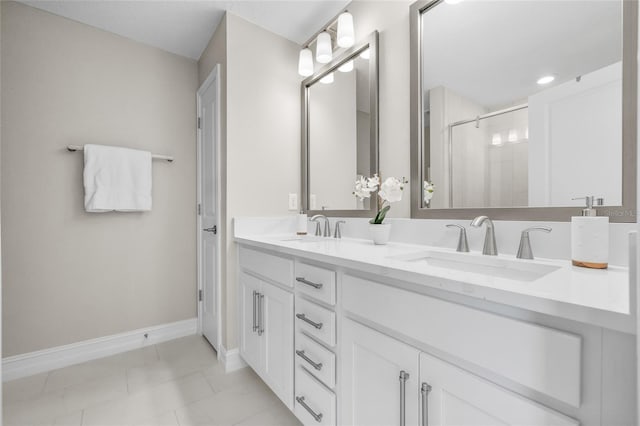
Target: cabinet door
pixel 370 371
pixel 277 341
pixel 249 338
pixel 460 398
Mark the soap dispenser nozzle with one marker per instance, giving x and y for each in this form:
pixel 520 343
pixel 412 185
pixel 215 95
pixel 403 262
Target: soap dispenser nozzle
pixel 590 200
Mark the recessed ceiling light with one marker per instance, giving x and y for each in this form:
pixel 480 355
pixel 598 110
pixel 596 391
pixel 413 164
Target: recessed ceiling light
pixel 546 79
pixel 452 1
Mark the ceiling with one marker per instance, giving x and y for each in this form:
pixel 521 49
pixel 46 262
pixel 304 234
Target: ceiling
pixel 493 52
pixel 184 27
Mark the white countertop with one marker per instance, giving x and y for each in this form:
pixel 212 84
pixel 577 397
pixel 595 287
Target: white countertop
pixel 598 297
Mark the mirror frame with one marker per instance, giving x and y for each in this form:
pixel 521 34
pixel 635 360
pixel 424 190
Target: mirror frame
pixel 625 213
pixel 372 42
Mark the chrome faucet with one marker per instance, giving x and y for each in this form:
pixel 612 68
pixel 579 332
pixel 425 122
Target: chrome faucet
pixel 327 225
pixel 490 247
pixel 524 251
pixel 463 244
pixel 337 233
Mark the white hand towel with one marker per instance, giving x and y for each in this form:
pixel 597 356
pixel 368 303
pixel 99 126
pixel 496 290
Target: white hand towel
pixel 116 179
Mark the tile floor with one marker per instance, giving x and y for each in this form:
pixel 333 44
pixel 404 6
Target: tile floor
pixel 175 383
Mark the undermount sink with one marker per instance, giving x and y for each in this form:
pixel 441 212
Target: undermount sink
pixel 513 269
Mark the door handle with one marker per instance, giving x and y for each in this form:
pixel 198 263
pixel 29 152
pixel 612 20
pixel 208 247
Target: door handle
pixel 213 229
pixel 309 283
pixel 424 390
pixel 255 326
pixel 404 376
pixel 317 417
pixel 260 314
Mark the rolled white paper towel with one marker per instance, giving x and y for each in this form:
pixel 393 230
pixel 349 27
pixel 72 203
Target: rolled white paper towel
pixel 590 241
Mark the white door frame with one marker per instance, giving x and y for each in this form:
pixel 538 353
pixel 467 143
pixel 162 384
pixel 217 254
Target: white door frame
pixel 213 78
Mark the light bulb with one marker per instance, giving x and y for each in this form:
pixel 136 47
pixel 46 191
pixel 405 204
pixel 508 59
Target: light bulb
pixel 346 36
pixel 346 67
pixel 305 63
pixel 365 54
pixel 324 51
pixel 327 79
pixel 496 139
pixel 546 79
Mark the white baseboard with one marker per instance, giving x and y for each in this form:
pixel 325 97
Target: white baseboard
pixel 23 365
pixel 231 359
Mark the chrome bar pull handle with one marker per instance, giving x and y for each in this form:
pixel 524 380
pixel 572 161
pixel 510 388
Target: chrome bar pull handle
pixel 304 318
pixel 424 390
pixel 404 376
pixel 260 314
pixel 309 283
pixel 255 324
pixel 317 417
pixel 316 365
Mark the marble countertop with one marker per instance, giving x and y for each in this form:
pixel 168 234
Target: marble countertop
pixel 598 297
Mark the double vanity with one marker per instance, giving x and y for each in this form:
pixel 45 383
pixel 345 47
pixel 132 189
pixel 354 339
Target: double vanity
pixel 349 333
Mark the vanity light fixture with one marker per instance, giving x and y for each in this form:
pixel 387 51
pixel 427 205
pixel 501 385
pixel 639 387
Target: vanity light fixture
pixel 513 135
pixel 346 36
pixel 324 50
pixel 546 79
pixel 365 54
pixel 496 139
pixel 327 79
pixel 305 63
pixel 346 67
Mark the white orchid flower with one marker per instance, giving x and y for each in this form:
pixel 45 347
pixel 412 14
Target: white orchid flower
pixel 428 189
pixel 391 189
pixel 365 186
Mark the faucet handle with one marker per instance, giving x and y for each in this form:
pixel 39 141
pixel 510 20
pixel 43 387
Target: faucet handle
pixel 318 232
pixel 463 243
pixel 338 233
pixel 524 250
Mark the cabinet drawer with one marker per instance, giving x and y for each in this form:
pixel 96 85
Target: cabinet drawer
pixel 316 359
pixel 316 321
pixel 275 268
pixel 314 404
pixel 319 283
pixel 541 358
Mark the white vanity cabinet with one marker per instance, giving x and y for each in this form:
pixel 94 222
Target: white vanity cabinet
pixel 266 325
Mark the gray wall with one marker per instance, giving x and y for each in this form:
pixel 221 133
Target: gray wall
pixel 261 135
pixel 68 275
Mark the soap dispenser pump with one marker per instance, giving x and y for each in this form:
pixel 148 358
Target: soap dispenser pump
pixel 590 236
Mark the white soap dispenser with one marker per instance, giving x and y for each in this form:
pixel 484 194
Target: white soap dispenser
pixel 590 237
pixel 301 224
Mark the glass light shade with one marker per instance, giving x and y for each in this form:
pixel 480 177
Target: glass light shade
pixel 346 36
pixel 305 63
pixel 365 54
pixel 513 135
pixel 346 67
pixel 324 51
pixel 327 79
pixel 496 139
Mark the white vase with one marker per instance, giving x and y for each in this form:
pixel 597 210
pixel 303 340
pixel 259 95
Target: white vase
pixel 380 233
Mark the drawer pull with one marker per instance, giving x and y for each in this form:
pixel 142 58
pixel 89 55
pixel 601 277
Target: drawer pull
pixel 309 283
pixel 317 417
pixel 304 318
pixel 316 365
pixel 255 325
pixel 424 390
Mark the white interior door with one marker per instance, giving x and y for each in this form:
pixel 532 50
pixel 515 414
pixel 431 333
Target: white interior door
pixel 208 209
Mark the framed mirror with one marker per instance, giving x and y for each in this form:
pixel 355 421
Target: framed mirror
pixel 340 131
pixel 520 107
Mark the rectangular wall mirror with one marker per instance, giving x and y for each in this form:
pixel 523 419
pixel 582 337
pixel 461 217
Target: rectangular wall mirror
pixel 518 107
pixel 340 131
